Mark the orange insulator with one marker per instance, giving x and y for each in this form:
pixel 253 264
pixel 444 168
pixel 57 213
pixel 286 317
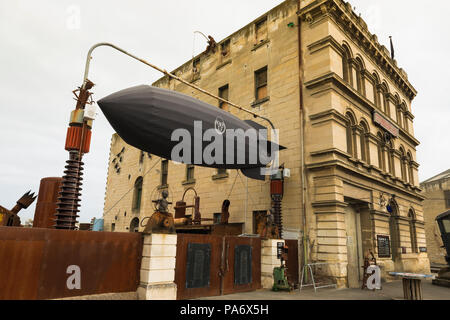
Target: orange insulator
pixel 276 187
pixel 73 139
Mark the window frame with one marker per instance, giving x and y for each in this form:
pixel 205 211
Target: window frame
pixel 258 85
pixel 164 173
pixel 222 89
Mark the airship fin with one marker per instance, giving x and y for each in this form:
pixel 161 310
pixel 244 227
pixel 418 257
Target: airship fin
pixel 254 173
pixel 258 126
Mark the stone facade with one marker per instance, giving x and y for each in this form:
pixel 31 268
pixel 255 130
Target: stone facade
pixel 437 193
pixel 329 82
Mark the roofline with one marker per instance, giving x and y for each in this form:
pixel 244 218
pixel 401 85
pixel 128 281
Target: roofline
pixel 443 172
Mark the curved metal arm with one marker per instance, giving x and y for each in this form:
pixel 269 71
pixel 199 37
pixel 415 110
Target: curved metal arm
pixel 106 44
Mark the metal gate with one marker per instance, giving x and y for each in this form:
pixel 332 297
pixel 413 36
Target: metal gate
pixel 212 265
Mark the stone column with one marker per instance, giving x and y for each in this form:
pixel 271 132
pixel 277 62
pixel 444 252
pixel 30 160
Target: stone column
pixel 269 261
pixel 158 268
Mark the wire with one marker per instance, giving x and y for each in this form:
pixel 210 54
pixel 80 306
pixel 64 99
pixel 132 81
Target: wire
pixel 251 199
pixel 130 189
pixel 232 187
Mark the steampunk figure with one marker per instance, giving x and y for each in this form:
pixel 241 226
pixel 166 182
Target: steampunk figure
pixel 161 222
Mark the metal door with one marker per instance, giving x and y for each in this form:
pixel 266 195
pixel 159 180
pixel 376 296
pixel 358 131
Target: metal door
pixel 212 265
pixel 241 265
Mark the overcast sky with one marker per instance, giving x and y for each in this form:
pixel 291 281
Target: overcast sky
pixel 44 46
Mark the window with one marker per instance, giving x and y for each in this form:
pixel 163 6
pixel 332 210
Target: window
pixel 196 69
pixel 412 231
pixel 164 172
pixel 261 84
pixel 196 65
pixel 410 168
pixel 351 136
pixel 364 138
pixel 223 93
pixel 381 152
pixel 346 74
pixel 384 103
pixel 134 225
pixel 259 221
pixel 137 196
pixel 390 151
pixel 360 85
pixel 447 198
pixel 113 227
pixel 141 157
pixel 261 31
pixel 217 218
pixel 190 173
pixel 399 116
pixel 225 48
pixel 403 165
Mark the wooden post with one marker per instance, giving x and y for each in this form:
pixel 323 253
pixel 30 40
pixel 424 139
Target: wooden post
pixel 412 289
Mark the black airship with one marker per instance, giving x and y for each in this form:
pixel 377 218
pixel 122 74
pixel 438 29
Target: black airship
pixel 164 123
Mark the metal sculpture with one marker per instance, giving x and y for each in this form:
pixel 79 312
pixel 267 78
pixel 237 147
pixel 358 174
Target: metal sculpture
pixel 10 218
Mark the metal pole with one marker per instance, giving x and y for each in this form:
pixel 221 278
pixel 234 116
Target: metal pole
pixel 105 44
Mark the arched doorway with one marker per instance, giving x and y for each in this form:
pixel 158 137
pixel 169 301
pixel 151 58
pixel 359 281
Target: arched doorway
pixel 394 230
pixel 134 225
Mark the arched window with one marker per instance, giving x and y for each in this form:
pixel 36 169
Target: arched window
pixel 381 152
pixel 137 195
pixel 346 70
pixel 377 91
pixel 364 140
pixel 134 225
pixel 412 230
pixel 409 162
pixel 403 164
pixel 351 135
pixel 391 151
pixel 384 99
pixel 360 79
pixel 404 109
pixel 400 116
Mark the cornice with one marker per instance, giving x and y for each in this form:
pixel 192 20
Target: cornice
pixel 328 41
pixel 343 15
pixel 337 82
pixel 328 115
pixel 342 165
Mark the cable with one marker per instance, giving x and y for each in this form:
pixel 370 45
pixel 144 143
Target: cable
pixel 130 189
pixel 232 187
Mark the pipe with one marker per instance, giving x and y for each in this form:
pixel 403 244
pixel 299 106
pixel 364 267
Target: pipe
pixel 302 138
pixel 105 44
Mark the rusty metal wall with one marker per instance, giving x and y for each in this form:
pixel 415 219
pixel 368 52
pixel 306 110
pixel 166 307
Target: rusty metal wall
pixel 34 262
pixel 292 263
pixel 44 215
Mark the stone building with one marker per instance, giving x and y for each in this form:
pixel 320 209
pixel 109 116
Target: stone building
pixel 344 110
pixel 436 191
